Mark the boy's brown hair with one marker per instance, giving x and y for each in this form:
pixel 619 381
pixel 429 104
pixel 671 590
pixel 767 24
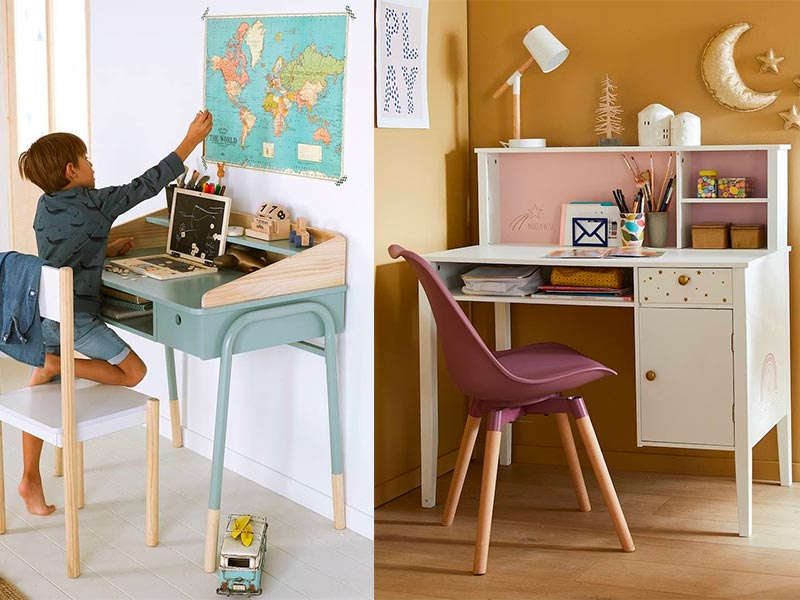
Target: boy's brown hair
pixel 45 162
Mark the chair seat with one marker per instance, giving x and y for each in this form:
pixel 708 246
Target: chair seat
pixel 551 367
pixel 99 410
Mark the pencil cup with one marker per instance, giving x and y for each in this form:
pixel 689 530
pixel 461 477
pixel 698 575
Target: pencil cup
pixel 631 228
pixel 657 223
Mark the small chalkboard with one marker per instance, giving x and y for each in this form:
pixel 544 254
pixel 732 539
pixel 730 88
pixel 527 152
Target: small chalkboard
pixel 198 225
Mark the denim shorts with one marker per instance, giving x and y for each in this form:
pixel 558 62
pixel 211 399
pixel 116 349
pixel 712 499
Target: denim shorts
pixel 93 338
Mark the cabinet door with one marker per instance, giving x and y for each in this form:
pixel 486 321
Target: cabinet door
pixel 686 376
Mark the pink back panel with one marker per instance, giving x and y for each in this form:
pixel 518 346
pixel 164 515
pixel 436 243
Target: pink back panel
pixel 535 185
pixel 751 163
pixel 729 212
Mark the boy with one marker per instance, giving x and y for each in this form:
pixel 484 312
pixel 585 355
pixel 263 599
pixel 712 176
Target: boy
pixel 72 223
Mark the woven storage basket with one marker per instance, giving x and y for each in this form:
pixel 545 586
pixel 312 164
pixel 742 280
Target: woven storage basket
pixel 587 277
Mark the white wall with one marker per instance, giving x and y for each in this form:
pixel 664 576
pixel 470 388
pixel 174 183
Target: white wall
pixel 5 159
pixel 146 85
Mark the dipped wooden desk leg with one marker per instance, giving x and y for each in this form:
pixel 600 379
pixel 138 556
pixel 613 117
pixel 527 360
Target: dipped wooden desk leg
pixel 58 462
pixel 174 407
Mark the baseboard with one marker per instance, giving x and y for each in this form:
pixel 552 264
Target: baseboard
pixel 718 466
pixel 310 498
pixel 389 490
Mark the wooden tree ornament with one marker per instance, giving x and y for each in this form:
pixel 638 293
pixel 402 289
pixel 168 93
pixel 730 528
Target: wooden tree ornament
pixel 608 122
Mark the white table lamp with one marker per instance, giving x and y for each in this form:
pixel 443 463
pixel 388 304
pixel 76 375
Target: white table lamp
pixel 548 53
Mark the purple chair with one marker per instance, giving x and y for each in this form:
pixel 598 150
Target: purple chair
pixel 505 386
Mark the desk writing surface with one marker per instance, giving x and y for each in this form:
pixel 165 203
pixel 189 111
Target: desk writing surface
pixel 510 254
pixel 186 293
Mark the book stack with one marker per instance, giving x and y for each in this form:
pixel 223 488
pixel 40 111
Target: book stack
pixel 502 281
pixel 119 305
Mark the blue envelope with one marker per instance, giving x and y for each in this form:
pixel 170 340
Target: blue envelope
pixel 589 231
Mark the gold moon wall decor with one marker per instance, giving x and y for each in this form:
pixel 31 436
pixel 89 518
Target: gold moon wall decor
pixel 721 77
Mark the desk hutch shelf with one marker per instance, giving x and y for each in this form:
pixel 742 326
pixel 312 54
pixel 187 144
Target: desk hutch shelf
pixel 513 182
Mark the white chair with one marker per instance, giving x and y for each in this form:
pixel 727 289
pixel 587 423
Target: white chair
pixel 50 412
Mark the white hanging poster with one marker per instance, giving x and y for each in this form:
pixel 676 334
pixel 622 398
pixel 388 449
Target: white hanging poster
pixel 401 78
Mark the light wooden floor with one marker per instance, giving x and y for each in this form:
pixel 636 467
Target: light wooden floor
pixel 542 547
pixel 306 556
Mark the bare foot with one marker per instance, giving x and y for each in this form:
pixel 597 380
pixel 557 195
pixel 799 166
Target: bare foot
pixel 33 495
pixel 52 365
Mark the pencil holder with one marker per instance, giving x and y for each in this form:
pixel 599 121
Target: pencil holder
pixel 631 228
pixel 657 223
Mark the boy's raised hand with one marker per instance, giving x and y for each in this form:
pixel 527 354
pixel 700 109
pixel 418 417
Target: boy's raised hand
pixel 199 128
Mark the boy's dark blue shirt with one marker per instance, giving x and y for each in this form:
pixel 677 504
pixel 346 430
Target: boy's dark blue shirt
pixel 72 226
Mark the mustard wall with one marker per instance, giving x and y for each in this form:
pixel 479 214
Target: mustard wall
pixel 421 202
pixel 652 51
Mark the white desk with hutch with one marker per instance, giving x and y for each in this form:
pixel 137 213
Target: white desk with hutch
pixel 711 327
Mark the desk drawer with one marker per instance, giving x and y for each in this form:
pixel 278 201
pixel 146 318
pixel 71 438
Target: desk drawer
pixel 685 286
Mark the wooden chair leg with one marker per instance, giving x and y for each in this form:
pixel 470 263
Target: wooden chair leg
pixel 573 462
pixel 604 479
pixel 490 462
pixel 81 498
pixel 151 501
pixel 71 511
pixel 2 486
pixel 58 462
pixel 460 472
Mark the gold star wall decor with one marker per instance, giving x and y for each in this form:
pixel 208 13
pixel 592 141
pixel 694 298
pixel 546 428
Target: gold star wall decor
pixel 769 62
pixel 791 118
pixel 796 81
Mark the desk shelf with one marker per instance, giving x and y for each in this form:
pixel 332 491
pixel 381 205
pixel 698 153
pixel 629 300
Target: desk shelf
pixel 277 247
pixel 552 299
pixel 141 326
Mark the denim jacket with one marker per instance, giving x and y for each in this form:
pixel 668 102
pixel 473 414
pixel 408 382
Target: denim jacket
pixel 20 323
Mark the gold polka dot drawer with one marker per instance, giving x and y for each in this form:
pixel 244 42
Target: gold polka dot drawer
pixel 685 286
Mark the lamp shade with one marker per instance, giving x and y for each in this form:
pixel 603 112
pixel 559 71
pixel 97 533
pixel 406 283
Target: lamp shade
pixel 545 48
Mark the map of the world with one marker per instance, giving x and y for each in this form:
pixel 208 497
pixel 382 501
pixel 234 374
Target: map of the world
pixel 275 85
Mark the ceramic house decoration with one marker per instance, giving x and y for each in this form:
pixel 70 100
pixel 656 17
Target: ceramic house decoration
pixel 685 129
pixel 654 125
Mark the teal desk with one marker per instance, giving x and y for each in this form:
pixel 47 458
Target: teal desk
pixel 180 322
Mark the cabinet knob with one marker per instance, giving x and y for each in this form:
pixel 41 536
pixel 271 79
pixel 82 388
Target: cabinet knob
pixel 683 279
pixel 650 375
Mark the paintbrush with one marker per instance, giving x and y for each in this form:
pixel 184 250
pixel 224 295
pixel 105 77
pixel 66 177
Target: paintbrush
pixel 666 178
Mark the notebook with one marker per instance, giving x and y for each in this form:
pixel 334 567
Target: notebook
pixel 198 226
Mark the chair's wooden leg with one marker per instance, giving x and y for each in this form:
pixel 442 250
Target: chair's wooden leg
pixel 71 510
pixel 490 462
pixel 2 486
pixel 58 462
pixel 573 462
pixel 604 479
pixel 81 497
pixel 460 472
pixel 151 502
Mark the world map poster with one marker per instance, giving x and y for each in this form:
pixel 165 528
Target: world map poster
pixel 275 86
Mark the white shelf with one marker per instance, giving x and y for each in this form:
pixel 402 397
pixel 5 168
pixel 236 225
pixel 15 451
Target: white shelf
pixel 724 200
pixel 543 299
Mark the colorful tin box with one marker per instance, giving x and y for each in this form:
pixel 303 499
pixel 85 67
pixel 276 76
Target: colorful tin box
pixel 734 187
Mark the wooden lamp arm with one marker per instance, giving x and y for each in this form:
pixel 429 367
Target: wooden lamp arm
pixel 507 84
